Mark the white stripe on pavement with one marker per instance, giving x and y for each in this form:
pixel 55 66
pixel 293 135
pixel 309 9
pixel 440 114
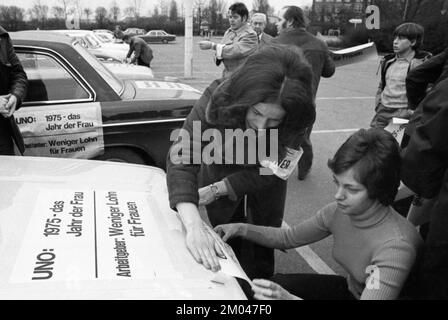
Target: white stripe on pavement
pixel 344 98
pixel 313 260
pixel 335 131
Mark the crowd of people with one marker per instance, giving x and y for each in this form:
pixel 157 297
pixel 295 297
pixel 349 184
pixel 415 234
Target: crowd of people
pixel 269 85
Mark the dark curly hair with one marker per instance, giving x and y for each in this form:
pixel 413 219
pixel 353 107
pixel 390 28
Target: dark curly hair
pixel 240 9
pixel 375 156
pixel 272 74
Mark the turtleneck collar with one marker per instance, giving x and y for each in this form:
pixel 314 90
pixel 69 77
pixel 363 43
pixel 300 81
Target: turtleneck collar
pixel 371 217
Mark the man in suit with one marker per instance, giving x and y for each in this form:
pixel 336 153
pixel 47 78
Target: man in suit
pixel 142 52
pixel 292 31
pixel 258 23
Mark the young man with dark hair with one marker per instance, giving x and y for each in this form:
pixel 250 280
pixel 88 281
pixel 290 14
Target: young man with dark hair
pixel 142 52
pixel 13 87
pixel 238 42
pixel 291 31
pixel 391 100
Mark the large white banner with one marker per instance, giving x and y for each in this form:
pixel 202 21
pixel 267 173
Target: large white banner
pixel 63 131
pixel 92 235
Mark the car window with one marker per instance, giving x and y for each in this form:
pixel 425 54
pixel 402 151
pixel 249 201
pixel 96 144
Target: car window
pixel 116 84
pixel 152 33
pixel 159 34
pixel 48 80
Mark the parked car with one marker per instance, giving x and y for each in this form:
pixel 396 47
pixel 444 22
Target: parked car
pixel 97 46
pixel 107 36
pixel 158 36
pixel 136 118
pixel 81 229
pixel 134 32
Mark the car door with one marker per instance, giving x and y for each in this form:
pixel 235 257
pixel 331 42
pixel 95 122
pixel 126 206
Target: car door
pixel 59 116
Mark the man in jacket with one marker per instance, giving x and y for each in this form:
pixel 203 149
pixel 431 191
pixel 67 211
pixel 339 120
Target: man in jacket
pixel 13 86
pixel 142 52
pixel 291 31
pixel 238 42
pixel 425 171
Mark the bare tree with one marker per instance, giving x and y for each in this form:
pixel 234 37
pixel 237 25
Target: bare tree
pixel 87 13
pixel 11 17
pixel 261 6
pixel 39 11
pixel 77 7
pixel 100 16
pixel 174 14
pixel 65 5
pixel 114 11
pixel 164 7
pixel 58 12
pixel 135 7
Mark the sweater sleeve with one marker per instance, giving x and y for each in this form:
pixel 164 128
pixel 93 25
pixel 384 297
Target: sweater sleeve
pixel 391 265
pixel 311 230
pixel 182 180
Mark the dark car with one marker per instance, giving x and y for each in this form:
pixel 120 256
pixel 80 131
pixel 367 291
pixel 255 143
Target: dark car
pixel 158 36
pixel 71 94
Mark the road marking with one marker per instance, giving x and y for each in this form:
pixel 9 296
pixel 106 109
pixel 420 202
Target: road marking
pixel 313 260
pixel 335 131
pixel 344 98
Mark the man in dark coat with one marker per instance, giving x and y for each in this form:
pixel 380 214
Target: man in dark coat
pixel 13 86
pixel 291 31
pixel 425 171
pixel 142 52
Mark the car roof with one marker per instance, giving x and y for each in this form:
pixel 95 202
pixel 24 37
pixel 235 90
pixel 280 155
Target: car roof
pixel 45 36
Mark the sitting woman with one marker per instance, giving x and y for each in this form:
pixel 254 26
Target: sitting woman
pixel 268 96
pixel 374 244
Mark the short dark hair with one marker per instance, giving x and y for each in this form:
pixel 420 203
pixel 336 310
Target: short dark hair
pixel 126 37
pixel 411 31
pixel 272 74
pixel 295 14
pixel 375 155
pixel 240 9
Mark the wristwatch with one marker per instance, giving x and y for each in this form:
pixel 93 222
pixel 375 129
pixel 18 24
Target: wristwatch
pixel 215 191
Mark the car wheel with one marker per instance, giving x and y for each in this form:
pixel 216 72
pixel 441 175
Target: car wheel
pixel 165 41
pixel 121 155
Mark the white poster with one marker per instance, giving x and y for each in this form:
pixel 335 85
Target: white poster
pixel 92 235
pixel 355 54
pixel 64 131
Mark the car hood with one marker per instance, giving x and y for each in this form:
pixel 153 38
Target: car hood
pixel 161 90
pixel 130 71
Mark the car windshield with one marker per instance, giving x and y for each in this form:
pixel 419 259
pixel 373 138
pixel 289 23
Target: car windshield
pixel 94 44
pixel 116 84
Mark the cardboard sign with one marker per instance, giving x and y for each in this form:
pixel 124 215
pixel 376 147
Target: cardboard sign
pixel 355 54
pixel 64 131
pixel 397 127
pixel 286 167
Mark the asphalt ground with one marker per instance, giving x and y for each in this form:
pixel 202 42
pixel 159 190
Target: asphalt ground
pixel 344 103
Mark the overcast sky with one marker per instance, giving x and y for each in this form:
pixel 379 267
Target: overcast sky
pixel 148 5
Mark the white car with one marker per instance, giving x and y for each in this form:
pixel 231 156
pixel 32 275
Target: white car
pixel 83 229
pixel 130 71
pixel 98 46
